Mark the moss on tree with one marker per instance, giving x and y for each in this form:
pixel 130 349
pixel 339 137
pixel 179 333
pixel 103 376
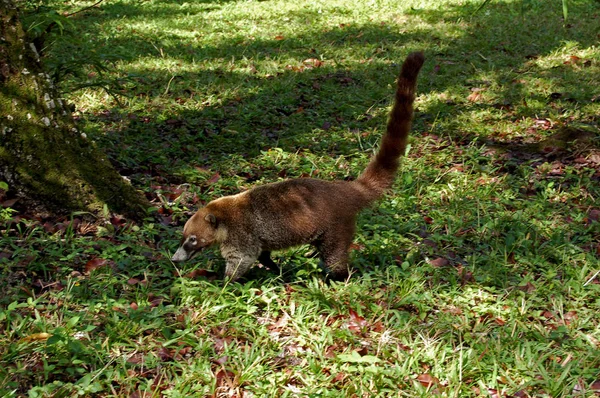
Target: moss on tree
pixel 48 164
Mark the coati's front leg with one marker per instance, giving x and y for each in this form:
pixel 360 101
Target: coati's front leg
pixel 238 261
pixel 265 259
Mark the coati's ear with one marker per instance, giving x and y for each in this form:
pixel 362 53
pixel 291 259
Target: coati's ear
pixel 211 219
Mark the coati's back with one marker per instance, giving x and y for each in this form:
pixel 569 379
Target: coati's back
pixel 299 211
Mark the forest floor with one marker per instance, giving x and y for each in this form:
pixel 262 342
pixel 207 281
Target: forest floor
pixel 476 276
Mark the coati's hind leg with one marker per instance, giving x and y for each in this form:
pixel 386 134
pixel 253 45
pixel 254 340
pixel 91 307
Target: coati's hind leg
pixel 266 260
pixel 333 248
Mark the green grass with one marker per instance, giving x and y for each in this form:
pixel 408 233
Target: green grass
pixel 476 276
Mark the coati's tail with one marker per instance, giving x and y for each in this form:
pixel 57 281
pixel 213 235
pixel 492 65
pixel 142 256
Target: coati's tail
pixel 381 171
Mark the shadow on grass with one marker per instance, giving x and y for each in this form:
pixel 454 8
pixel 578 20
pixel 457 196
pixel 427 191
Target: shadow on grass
pixel 286 107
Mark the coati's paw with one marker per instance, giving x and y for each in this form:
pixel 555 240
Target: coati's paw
pixel 337 275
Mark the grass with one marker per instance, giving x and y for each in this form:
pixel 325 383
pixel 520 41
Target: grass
pixel 476 276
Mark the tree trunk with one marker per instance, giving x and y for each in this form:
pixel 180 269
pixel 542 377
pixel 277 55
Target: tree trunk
pixel 47 163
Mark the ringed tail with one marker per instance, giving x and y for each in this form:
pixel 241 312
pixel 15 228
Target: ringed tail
pixel 381 171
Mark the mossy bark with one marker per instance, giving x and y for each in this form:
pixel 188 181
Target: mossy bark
pixel 47 163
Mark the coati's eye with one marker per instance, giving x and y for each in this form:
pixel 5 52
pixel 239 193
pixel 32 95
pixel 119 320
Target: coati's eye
pixel 192 240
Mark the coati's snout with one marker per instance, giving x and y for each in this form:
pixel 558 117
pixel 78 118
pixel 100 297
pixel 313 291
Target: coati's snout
pixel 199 232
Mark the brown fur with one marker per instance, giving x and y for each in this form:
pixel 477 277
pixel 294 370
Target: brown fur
pixel 251 224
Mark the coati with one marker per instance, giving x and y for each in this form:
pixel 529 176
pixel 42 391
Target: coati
pixel 249 225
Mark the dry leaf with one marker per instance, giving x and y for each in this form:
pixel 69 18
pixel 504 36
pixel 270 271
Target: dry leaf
pixel 165 354
pixel 280 323
pixel 356 322
pixel 221 360
pixel 312 62
pixel 214 178
pixel 474 96
pixel 96 263
pixel 438 262
pixel 36 337
pixel 136 358
pixel 427 380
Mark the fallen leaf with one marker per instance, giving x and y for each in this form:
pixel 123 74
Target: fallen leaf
pixel 573 60
pixel 136 358
pixel 95 263
pixel 466 276
pixel 330 352
pixel 220 343
pixel 164 354
pixel 295 68
pixel 280 323
pixel 438 262
pixel 165 211
pixel 200 273
pixel 156 302
pixel 427 380
pixel 279 37
pixel 36 337
pixel 356 323
pixel 570 316
pixel 174 193
pixel 312 62
pixel 214 178
pixel 378 327
pixel 183 352
pixel 548 315
pixel 453 310
pixel 494 393
pixel 339 377
pixel 118 221
pixel 475 96
pixel 593 215
pixel 225 377
pixel 544 124
pixel 221 360
pixel 356 246
pixel 50 228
